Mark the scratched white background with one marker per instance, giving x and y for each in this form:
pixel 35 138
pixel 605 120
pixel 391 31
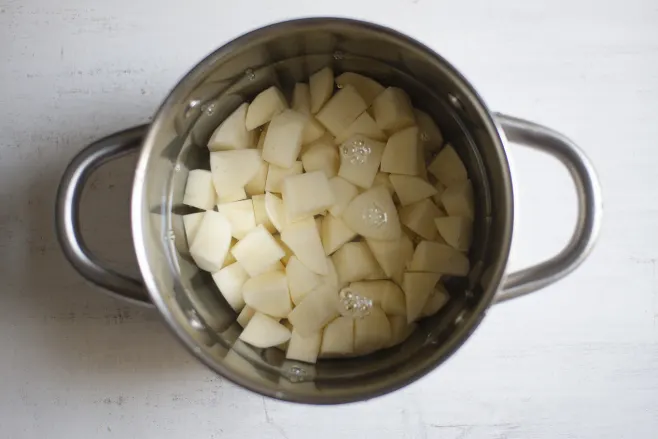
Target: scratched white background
pixel 579 360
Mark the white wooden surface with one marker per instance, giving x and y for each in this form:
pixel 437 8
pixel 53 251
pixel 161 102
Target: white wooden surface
pixel 579 360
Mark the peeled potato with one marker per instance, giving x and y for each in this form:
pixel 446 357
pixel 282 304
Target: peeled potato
pixel 384 294
pixel 458 199
pixel 437 300
pixel 417 289
pixel 260 213
pixel 301 98
pixel 256 186
pixel 456 230
pixel 341 110
pixel 321 156
pixel 447 167
pixel 393 110
pixel 335 233
pixel 401 153
pixel 392 256
pixel 304 347
pixel 301 280
pixel 241 216
pixel 411 189
pixel 231 197
pixel 264 332
pixel 431 138
pixel 245 315
pixel 232 170
pixel 367 88
pixel 268 293
pixel 304 240
pixel 276 211
pixel 354 262
pixel 313 130
pixel 211 242
pixel 257 251
pixel 371 332
pixel 232 133
pixel 191 224
pixel 199 190
pixel 419 217
pixel 338 338
pixel 230 280
pixel 306 195
pixel 283 141
pixel 372 214
pixel 277 174
pixel 364 125
pixel 321 86
pixel 344 192
pixel 264 107
pixel 318 308
pixel 359 160
pixel 435 257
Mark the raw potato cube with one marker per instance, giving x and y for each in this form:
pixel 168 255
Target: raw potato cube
pixel 440 188
pixel 401 153
pixel 212 241
pixel 264 332
pixel 393 110
pixel 232 197
pixel 199 190
pixel 283 141
pixel 260 213
pixel 318 308
pixel 313 130
pixel 419 217
pixel 229 256
pixel 431 138
pixel 321 156
pixel 458 199
pixel 411 189
pixel 245 315
pixel 304 348
pixel 262 135
pixel 286 249
pixel 191 223
pixel 447 167
pixel 364 125
pixel 344 192
pixel 256 186
pixel 304 240
pixel 306 195
pixel 435 302
pixel 277 266
pixel 417 289
pixel 276 175
pixel 230 280
pixel 321 85
pixel 384 179
pixel 335 233
pixel 377 274
pixel 400 330
pixel 371 332
pixel 276 211
pixel 268 293
pixel 456 230
pixel 338 338
pixel 384 294
pixel 241 216
pixel 232 133
pixel 342 109
pixel 440 258
pixel 357 165
pixel 264 107
pixel 301 280
pixel 257 251
pixel 372 214
pixel 392 256
pixel 367 88
pixel 354 262
pixel 301 98
pixel 331 277
pixel 232 170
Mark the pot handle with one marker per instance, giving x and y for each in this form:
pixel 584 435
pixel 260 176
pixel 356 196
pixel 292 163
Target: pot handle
pixel 67 213
pixel 590 207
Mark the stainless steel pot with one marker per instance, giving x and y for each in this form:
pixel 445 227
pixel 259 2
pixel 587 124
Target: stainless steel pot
pixel 282 54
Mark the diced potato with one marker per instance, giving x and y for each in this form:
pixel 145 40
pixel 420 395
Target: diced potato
pixel 392 256
pixel 301 98
pixel 384 179
pixel 306 195
pixel 304 348
pixel 276 175
pixel 440 258
pixel 276 211
pixel 264 107
pixel 232 170
pixel 191 223
pixel 241 216
pixel 456 230
pixel 229 259
pixel 447 167
pixel 437 300
pixel 440 188
pixel 401 153
pixel 417 289
pixel 338 338
pixel 231 197
pixel 341 110
pixel 283 141
pixel 318 308
pixel 377 274
pixel 372 214
pixel 211 242
pixel 264 332
pixel 268 293
pixel 411 189
pixel 384 294
pixel 304 240
pixel 286 249
pixel 321 85
pixel 371 332
pixel 256 186
pixel 260 213
pixel 199 190
pixel 230 280
pixel 354 262
pixel 431 138
pixel 364 125
pixel 458 199
pixel 400 330
pixel 232 133
pixel 301 280
pixel 321 156
pixel 262 135
pixel 331 278
pixel 419 217
pixel 335 233
pixel 257 251
pixel 313 130
pixel 359 160
pixel 245 315
pixel 344 192
pixel 367 88
pixel 393 110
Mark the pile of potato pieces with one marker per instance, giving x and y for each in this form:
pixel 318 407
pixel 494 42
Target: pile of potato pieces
pixel 331 192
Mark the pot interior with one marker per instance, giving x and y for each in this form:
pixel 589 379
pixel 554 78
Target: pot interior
pixel 282 55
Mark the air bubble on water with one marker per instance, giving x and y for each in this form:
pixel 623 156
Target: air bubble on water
pixel 339 85
pixel 171 235
pixel 177 168
pixel 209 109
pixel 250 74
pixel 296 374
pixel 375 216
pixel 424 136
pixel 191 106
pixel 338 55
pixel 356 152
pixel 353 304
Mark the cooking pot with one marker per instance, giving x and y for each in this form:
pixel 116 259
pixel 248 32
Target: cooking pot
pixel 282 54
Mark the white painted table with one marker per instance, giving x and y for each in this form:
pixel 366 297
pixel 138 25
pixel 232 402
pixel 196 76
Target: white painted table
pixel 579 360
